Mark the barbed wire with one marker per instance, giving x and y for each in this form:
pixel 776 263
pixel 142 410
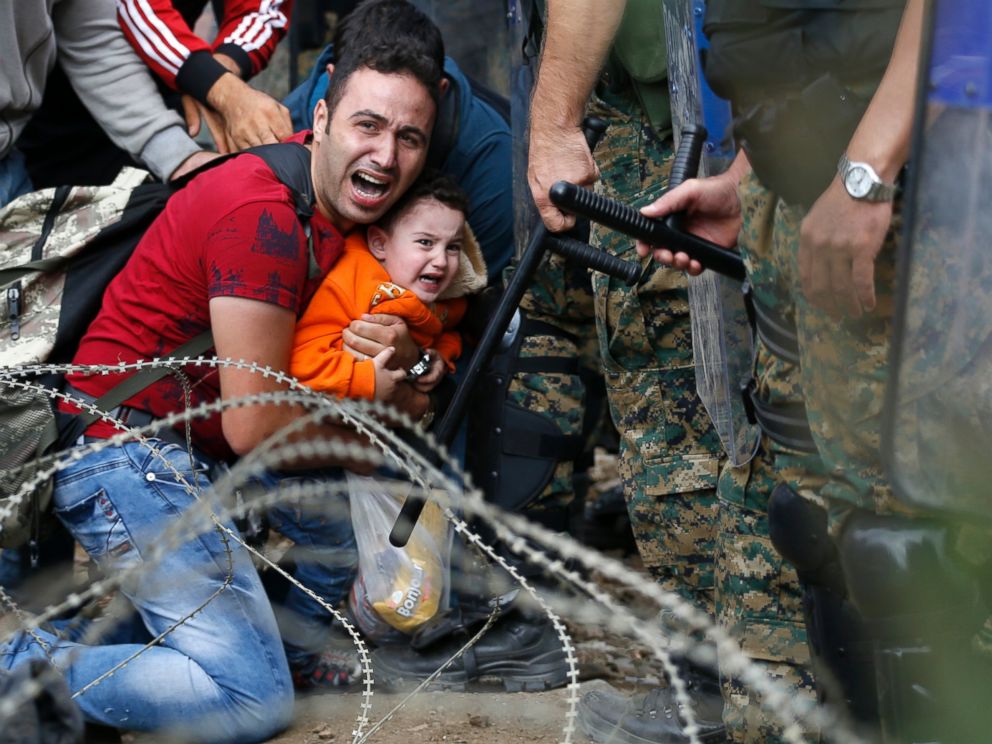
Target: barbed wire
pixel 365 426
pixel 518 534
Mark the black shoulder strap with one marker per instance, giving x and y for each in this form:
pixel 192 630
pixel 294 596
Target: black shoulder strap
pixel 290 161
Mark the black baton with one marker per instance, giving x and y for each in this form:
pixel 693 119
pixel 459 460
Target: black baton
pixel 668 232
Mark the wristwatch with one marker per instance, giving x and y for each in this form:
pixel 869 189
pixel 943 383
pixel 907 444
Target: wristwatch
pixel 863 183
pixel 420 368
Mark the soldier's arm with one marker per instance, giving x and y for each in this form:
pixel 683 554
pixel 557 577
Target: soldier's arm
pixel 577 40
pixel 841 236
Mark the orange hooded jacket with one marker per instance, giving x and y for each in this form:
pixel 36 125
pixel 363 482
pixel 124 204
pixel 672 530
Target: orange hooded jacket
pixel 355 285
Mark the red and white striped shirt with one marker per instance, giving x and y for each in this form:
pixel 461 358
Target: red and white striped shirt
pixel 161 33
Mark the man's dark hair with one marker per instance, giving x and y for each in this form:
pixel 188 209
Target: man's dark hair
pixel 389 23
pixel 431 184
pixel 390 37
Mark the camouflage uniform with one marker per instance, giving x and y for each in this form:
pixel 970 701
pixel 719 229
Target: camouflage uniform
pixel 841 379
pixel 642 342
pixel 669 451
pixel 758 599
pixel 757 593
pixel 843 363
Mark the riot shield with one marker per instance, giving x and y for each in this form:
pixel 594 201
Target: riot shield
pixel 721 335
pixel 525 26
pixel 938 437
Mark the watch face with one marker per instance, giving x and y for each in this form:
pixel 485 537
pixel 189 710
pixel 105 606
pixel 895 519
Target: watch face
pixel 858 182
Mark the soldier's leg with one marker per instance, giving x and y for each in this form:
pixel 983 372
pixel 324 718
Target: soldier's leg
pixel 759 600
pixel 669 457
pixel 668 450
pixel 759 596
pixel 904 571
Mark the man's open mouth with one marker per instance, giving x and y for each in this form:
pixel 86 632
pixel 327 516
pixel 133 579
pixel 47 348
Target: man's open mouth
pixel 368 187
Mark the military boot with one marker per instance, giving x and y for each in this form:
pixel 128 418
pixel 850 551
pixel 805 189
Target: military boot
pixel 655 717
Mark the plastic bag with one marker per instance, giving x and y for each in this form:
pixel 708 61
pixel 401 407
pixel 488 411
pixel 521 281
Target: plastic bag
pixel 405 586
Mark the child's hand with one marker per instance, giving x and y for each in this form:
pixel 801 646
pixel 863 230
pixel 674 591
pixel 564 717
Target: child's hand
pixel 386 380
pixel 430 379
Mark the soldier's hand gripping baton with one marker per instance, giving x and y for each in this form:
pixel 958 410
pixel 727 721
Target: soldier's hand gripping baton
pixel 540 241
pixel 667 232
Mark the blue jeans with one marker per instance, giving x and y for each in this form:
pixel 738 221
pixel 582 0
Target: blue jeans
pixel 325 557
pixel 222 674
pixel 14 179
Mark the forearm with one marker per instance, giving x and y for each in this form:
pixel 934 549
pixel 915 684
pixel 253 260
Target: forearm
pixel 250 31
pixel 882 138
pixel 578 38
pixel 116 87
pixel 160 36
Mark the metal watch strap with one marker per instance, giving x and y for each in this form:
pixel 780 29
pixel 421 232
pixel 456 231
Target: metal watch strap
pixel 880 191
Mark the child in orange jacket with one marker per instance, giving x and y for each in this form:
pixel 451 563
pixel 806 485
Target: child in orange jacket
pixel 418 262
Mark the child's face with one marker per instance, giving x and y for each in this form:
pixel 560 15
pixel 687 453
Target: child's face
pixel 420 252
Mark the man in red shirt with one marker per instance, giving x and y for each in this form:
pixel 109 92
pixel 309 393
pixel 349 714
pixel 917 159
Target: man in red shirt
pixel 228 254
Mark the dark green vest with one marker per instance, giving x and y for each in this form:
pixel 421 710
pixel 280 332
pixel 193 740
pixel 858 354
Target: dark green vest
pixel 636 72
pixel 639 49
pixel 799 74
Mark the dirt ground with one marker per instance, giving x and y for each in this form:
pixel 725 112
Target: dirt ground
pixel 483 717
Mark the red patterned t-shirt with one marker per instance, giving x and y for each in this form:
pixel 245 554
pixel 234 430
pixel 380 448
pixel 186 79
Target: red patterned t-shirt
pixel 232 231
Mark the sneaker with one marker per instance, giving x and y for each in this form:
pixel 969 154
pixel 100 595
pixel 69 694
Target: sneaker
pixel 522 654
pixel 332 670
pixel 607 716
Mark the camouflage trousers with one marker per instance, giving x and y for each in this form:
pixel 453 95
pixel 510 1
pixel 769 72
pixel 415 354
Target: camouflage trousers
pixel 758 600
pixel 843 362
pixel 639 339
pixel 758 596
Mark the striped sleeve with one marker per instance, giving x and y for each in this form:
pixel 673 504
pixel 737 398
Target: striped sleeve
pixel 251 30
pixel 160 36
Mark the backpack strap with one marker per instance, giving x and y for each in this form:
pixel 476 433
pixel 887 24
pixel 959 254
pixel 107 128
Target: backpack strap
pixel 44 265
pixel 145 377
pixel 58 199
pixel 290 161
pixel 71 426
